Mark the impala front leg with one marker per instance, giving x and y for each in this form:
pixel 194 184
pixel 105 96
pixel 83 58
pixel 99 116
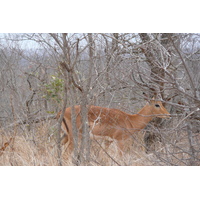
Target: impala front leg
pixel 107 144
pixel 121 147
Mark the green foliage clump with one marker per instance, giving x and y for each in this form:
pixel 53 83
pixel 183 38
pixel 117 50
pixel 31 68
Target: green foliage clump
pixel 53 90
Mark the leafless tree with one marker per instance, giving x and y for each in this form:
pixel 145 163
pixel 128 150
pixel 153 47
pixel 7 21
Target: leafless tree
pixel 42 74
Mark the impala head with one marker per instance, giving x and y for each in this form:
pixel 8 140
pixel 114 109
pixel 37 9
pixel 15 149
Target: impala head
pixel 158 109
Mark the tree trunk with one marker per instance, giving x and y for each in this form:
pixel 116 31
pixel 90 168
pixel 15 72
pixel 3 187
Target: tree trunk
pixel 157 76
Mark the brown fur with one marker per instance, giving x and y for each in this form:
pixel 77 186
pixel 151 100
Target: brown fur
pixel 112 123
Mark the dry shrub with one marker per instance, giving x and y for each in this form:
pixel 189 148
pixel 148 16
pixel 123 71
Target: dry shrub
pixel 175 149
pixel 38 148
pixel 19 152
pixel 27 149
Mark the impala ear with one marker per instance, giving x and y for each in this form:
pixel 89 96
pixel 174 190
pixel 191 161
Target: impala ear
pixel 146 97
pixel 152 101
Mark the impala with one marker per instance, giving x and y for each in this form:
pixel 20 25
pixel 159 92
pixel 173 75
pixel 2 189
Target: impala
pixel 115 124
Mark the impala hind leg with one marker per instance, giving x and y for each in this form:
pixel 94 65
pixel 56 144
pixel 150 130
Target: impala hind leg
pixel 67 143
pixel 121 147
pixel 64 139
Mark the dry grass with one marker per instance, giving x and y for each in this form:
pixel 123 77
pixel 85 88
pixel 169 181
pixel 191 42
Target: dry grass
pixel 22 148
pixel 39 149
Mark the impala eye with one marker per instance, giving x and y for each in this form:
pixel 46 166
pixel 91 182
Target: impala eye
pixel 157 105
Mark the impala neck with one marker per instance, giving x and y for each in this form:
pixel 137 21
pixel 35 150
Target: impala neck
pixel 142 118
